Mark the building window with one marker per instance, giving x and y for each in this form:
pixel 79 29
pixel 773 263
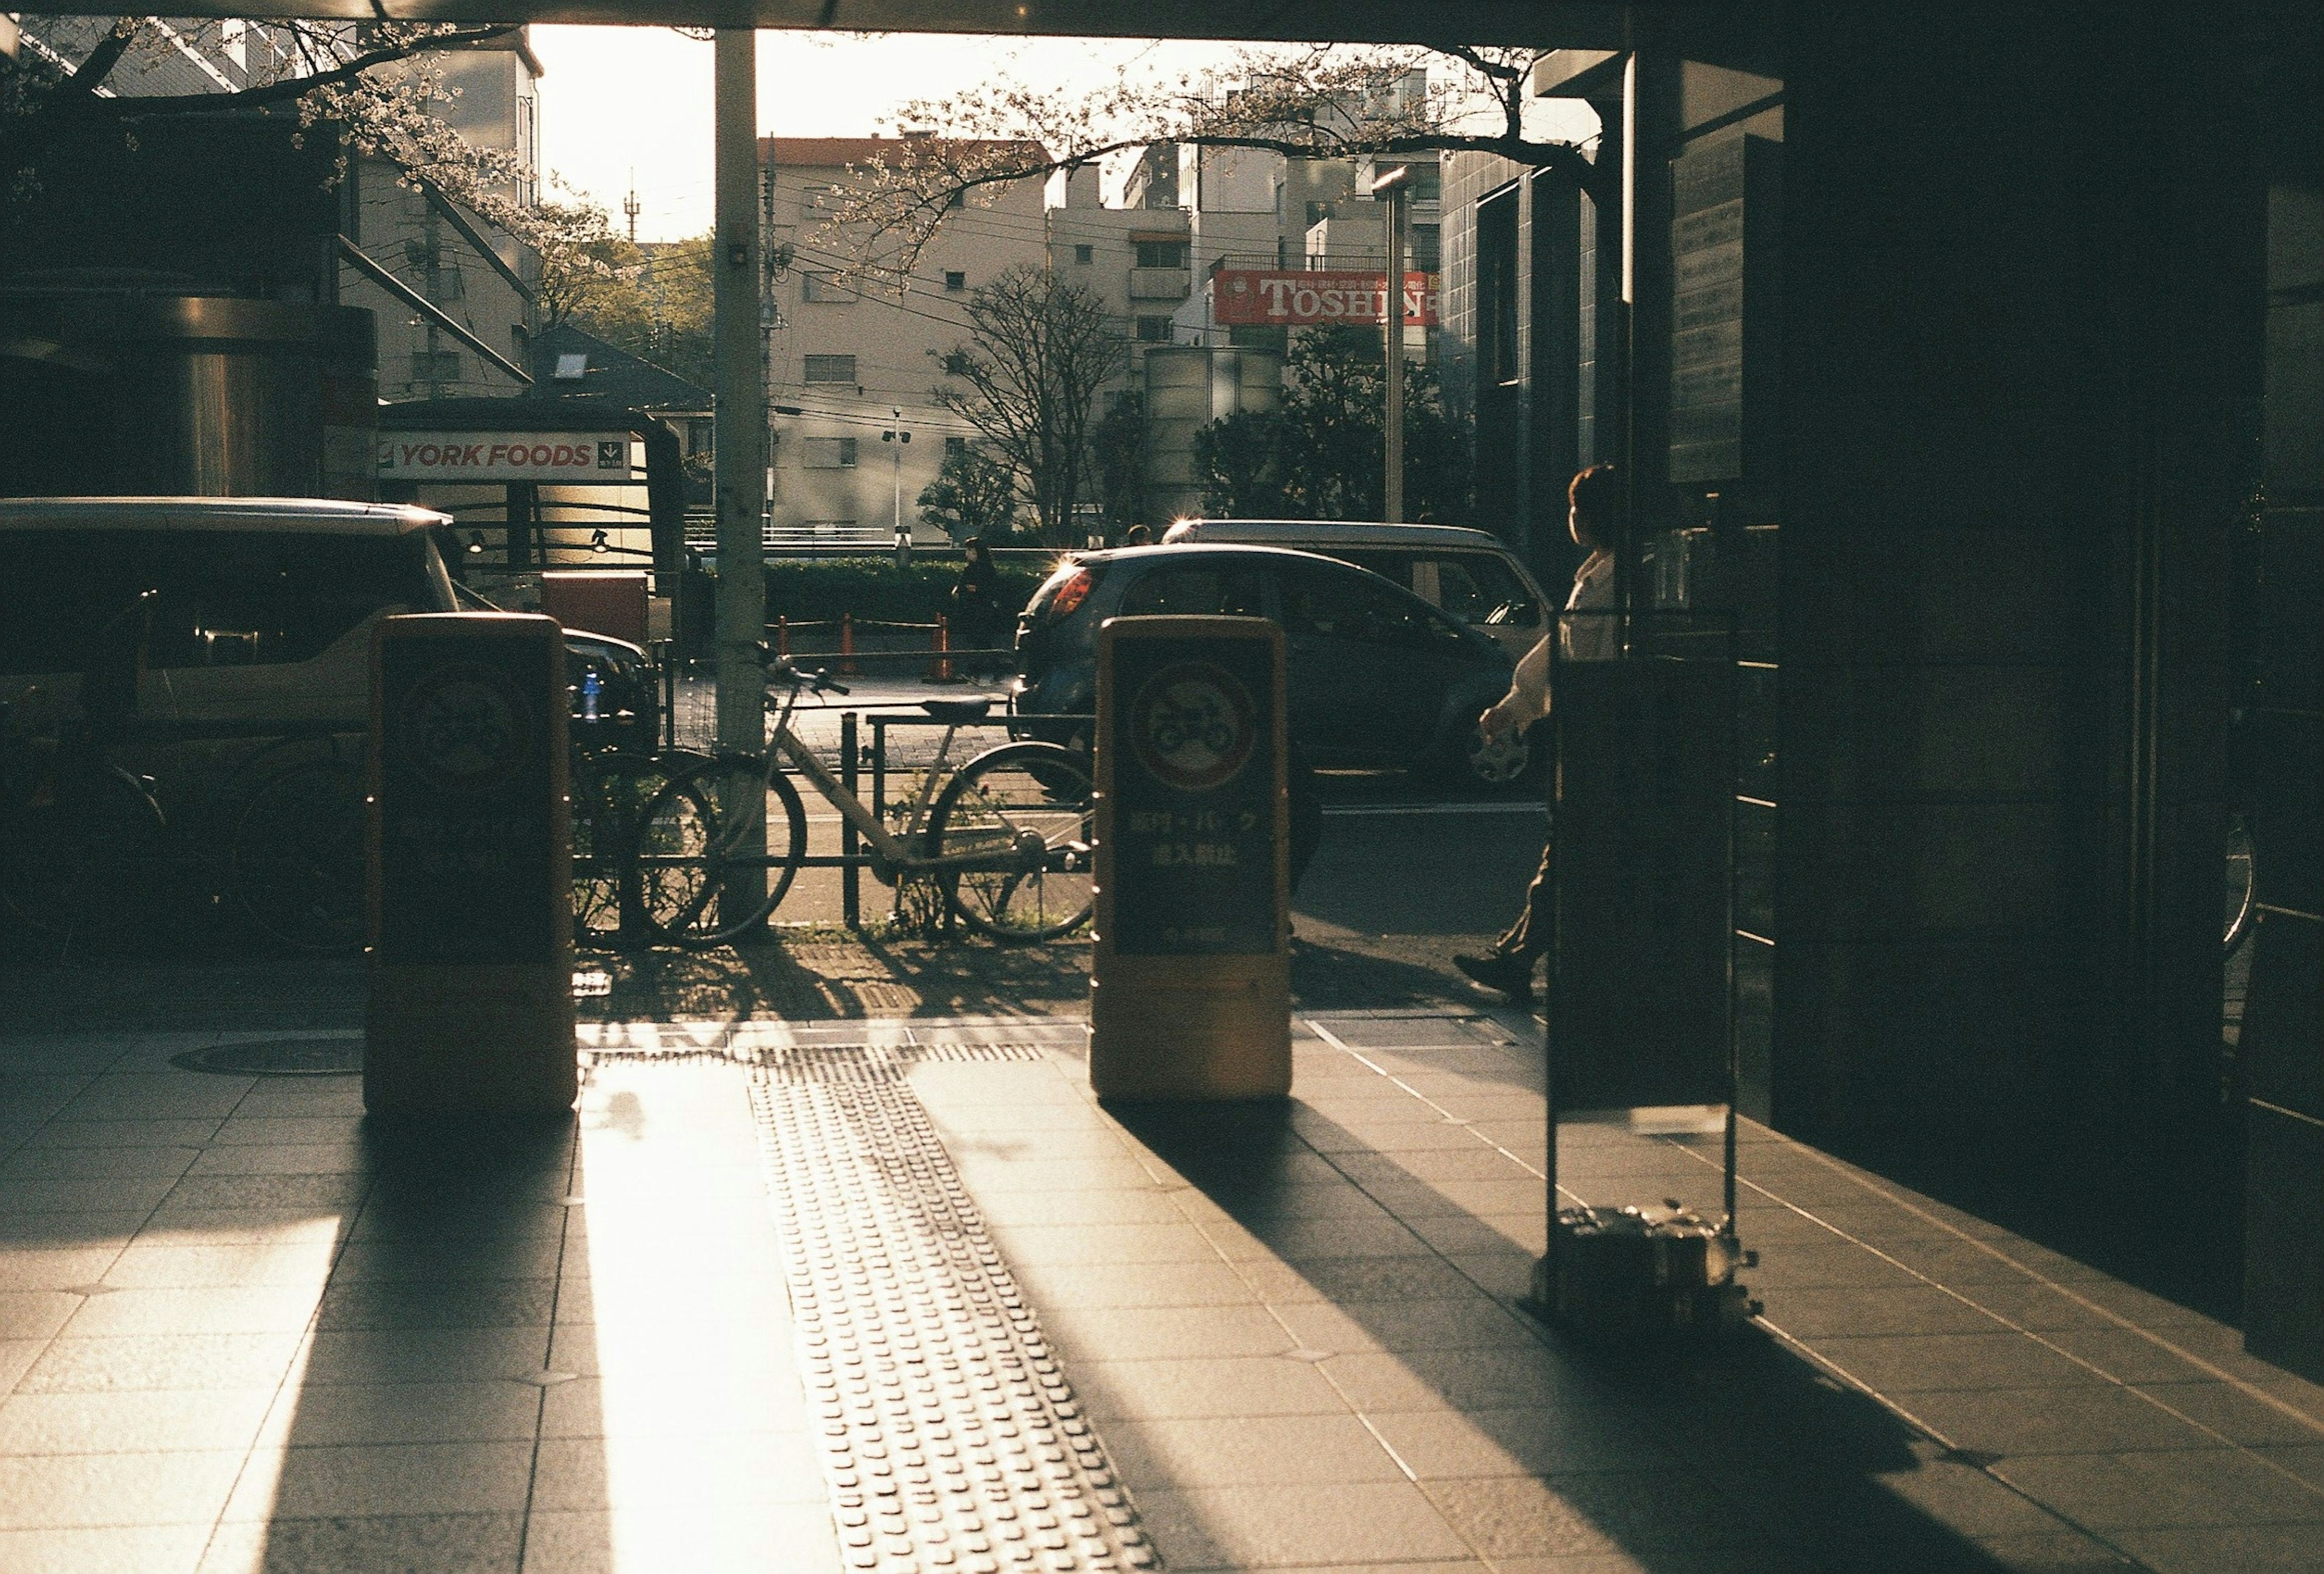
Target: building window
pixel 1153 330
pixel 1084 255
pixel 955 280
pixel 827 452
pixel 831 368
pixel 435 365
pixel 1161 254
pixel 955 446
pixel 825 287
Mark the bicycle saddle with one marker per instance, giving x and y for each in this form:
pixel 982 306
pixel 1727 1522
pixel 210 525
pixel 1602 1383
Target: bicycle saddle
pixel 957 711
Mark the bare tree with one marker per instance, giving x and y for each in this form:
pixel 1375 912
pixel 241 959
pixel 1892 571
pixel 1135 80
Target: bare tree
pixel 377 86
pixel 1325 102
pixel 1039 348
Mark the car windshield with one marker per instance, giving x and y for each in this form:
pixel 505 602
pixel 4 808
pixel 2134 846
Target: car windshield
pixel 227 597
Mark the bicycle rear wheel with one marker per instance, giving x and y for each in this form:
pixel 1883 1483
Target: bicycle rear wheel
pixel 297 857
pixel 718 849
pixel 1022 813
pixel 609 793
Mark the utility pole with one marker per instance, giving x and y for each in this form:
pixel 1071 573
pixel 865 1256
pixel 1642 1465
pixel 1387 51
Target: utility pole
pixel 895 436
pixel 1390 188
pixel 741 417
pixel 630 206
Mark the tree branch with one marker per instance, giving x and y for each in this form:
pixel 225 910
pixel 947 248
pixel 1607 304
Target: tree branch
pixel 291 88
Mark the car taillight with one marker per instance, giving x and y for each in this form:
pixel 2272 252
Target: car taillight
pixel 1071 593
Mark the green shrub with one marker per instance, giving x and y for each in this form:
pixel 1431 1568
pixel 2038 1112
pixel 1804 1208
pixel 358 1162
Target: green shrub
pixel 871 589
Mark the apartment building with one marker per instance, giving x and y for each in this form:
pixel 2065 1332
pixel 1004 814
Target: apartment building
pixel 853 359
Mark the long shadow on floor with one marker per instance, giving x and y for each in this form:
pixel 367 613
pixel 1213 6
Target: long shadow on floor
pixel 422 1416
pixel 1742 1456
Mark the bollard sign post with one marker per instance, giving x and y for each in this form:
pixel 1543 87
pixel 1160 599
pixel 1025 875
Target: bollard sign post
pixel 471 1008
pixel 1190 986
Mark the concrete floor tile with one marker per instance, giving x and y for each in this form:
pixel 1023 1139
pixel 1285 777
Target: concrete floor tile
pixel 597 1407
pixel 1274 1527
pixel 2099 1418
pixel 1439 1444
pixel 414 1304
pixel 157 1268
pixel 275 1131
pixel 2167 1489
pixel 17 1358
pixel 743 1539
pixel 1096 1244
pixel 61 1490
pixel 673 1470
pixel 84 1232
pixel 1829 1263
pixel 1297 1241
pixel 1562 1516
pixel 163 1421
pixel 160 1362
pixel 2049 1552
pixel 34 1313
pixel 530 1256
pixel 1019 1209
pixel 271 1159
pixel 190 1310
pixel 463 1543
pixel 1463 1234
pixel 389 1356
pixel 1344 1280
pixel 170 1226
pixel 104 1550
pixel 55 1268
pixel 1194 1389
pixel 1246 1451
pixel 2276 1548
pixel 1505 1275
pixel 1918 1363
pixel 1164 1333
pixel 84 1193
pixel 2130 1356
pixel 485 1411
pixel 383 1480
pixel 1870 1310
pixel 1137 1284
pixel 2245 1418
pixel 1395 1138
pixel 181 1096
pixel 986 1175
pixel 1474 1322
pixel 1440 1379
pixel 323 1192
pixel 113 1163
pixel 190 1133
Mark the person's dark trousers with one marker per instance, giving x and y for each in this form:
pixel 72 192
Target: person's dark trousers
pixel 1528 937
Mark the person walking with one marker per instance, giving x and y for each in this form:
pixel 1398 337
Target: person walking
pixel 1593 515
pixel 976 617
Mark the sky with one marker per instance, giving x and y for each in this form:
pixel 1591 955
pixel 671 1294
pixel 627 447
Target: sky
pixel 618 99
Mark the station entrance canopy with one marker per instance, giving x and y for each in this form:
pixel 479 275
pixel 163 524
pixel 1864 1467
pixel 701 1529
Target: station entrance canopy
pixel 1582 23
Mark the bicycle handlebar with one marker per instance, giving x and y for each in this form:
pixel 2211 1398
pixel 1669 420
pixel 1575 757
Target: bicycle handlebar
pixel 780 670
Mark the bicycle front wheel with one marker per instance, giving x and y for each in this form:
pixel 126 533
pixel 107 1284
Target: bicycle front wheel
pixel 718 849
pixel 1010 835
pixel 609 791
pixel 297 857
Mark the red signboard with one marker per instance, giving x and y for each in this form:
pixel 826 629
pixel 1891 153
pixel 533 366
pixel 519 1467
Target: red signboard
pixel 1253 298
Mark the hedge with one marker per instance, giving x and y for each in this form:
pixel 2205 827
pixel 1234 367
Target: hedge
pixel 873 588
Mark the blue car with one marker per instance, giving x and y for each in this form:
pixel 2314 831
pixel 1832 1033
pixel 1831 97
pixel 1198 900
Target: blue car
pixel 1378 679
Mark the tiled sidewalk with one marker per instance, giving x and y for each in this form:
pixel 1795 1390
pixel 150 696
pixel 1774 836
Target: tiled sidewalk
pixel 241 1329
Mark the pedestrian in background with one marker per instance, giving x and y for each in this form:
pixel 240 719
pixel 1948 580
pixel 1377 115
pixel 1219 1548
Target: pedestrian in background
pixel 1593 514
pixel 976 615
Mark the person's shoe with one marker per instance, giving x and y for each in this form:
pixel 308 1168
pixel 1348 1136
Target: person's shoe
pixel 1508 975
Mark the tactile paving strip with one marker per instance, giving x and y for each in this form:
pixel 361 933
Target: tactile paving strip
pixel 731 1045
pixel 950 1439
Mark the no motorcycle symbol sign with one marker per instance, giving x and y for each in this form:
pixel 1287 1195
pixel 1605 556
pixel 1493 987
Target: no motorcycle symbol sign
pixel 1194 726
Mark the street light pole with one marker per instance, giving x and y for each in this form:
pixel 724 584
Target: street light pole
pixel 897 436
pixel 1391 188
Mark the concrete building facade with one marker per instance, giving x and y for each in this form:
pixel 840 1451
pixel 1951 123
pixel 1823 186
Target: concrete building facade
pixel 853 357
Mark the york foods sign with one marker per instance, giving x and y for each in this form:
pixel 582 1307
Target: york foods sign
pixel 566 457
pixel 1250 297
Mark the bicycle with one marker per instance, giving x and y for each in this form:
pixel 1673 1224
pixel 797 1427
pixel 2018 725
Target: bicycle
pixel 1006 839
pixel 614 888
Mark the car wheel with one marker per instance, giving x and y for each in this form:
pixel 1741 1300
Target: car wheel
pixel 1500 765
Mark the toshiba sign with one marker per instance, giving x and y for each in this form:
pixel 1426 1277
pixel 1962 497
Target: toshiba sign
pixel 1248 297
pixel 503 456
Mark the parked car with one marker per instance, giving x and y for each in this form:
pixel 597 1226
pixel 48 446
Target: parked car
pixel 1468 574
pixel 265 611
pixel 1378 679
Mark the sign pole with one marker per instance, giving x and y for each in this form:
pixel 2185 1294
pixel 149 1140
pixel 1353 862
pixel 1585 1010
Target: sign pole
pixel 1390 188
pixel 741 414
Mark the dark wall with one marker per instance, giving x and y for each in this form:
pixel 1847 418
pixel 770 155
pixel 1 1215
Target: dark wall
pixel 2019 374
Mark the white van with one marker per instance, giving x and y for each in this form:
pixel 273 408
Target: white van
pixel 1468 574
pixel 265 609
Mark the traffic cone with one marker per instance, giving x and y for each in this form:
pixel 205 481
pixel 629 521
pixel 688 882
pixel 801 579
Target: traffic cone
pixel 940 664
pixel 783 638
